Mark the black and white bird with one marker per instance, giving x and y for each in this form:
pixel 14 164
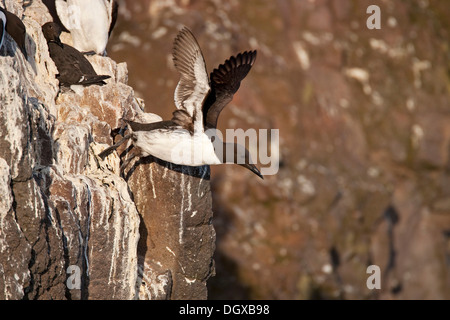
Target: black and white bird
pixel 15 27
pixel 90 22
pixel 188 138
pixel 72 65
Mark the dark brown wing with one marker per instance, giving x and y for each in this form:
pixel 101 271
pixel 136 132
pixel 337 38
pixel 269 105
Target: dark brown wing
pixel 68 68
pixel 180 119
pixel 76 58
pixel 137 126
pixel 183 119
pixel 225 81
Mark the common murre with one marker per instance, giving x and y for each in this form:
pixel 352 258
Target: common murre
pixel 90 22
pixel 72 65
pixel 199 101
pixel 15 27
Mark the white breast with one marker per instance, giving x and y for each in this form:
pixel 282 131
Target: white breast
pixel 177 146
pixel 88 22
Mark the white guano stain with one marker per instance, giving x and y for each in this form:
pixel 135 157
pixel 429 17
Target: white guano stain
pixel 170 250
pixel 361 76
pixel 153 184
pixel 14 132
pixel 302 55
pixel 189 196
pixel 181 226
pixel 189 281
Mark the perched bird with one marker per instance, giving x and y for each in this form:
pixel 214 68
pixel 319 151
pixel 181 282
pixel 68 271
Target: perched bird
pixel 72 65
pixel 90 22
pixel 15 27
pixel 187 139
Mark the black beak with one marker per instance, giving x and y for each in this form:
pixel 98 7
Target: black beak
pixel 58 42
pixel 253 169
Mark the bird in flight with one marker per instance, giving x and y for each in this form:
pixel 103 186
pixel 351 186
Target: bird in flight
pixel 189 137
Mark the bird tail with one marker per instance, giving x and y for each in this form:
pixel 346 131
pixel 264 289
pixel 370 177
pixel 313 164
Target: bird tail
pixel 110 149
pixel 94 80
pixel 24 51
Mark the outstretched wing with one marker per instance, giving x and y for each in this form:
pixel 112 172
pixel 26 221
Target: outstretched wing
pixel 193 86
pixel 225 82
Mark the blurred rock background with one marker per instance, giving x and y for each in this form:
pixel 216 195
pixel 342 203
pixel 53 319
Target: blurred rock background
pixel 364 120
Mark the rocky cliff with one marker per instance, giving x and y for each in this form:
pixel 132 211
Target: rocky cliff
pixel 70 226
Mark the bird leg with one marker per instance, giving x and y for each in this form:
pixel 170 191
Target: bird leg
pixel 110 149
pixel 89 53
pixel 133 154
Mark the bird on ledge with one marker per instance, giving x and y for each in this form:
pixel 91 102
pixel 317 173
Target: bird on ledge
pixel 72 65
pixel 199 99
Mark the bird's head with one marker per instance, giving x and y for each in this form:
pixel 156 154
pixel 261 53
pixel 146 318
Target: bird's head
pixel 238 154
pixel 52 32
pixel 244 159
